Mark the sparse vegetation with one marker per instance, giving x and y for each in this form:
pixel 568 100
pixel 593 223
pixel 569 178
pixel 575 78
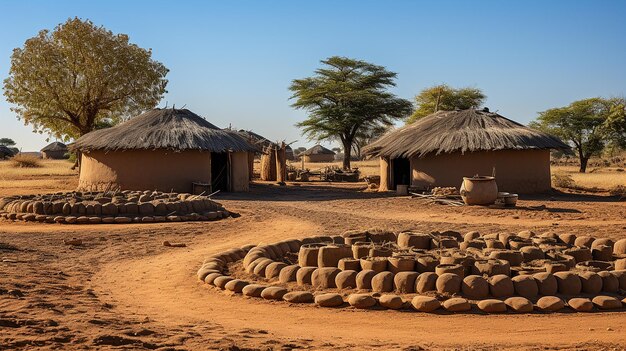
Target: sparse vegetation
pixel 25 161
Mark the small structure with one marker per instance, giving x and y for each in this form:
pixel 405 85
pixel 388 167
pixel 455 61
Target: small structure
pixel 166 150
pixel 442 148
pixel 318 153
pixel 55 151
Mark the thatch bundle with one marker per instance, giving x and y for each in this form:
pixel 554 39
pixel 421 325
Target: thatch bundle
pixel 170 129
pixel 461 131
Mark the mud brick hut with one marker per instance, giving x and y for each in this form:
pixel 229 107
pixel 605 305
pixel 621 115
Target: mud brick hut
pixel 55 151
pixel 318 153
pixel 442 148
pixel 166 150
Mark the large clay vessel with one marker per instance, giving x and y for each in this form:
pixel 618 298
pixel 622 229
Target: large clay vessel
pixel 479 190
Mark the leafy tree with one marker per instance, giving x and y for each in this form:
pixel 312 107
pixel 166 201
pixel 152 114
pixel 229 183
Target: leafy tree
pixel 445 98
pixel 589 125
pixel 68 81
pixel 344 97
pixel 7 142
pixel 367 136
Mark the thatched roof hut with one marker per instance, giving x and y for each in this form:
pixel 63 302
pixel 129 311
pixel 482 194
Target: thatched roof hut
pixel 440 149
pixel 262 143
pixel 55 150
pixel 164 149
pixel 318 153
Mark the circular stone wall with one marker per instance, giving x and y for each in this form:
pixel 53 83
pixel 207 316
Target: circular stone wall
pixel 111 207
pixel 426 272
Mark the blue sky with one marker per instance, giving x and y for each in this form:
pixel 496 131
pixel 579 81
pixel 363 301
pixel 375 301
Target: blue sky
pixel 232 61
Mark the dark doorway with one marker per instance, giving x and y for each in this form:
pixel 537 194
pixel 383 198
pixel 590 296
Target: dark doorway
pixel 401 170
pixel 219 171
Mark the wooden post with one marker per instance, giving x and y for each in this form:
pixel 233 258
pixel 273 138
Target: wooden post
pixel 268 164
pixel 281 166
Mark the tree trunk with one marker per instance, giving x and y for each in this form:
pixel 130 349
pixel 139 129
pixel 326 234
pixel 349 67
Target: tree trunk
pixel 281 166
pixel 347 153
pixel 583 164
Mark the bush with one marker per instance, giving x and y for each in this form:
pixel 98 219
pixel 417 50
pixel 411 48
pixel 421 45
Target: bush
pixel 25 161
pixel 619 191
pixel 562 180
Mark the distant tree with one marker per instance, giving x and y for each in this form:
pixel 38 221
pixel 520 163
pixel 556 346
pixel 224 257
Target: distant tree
pixel 445 98
pixel 344 97
pixel 589 125
pixel 79 76
pixel 7 142
pixel 367 136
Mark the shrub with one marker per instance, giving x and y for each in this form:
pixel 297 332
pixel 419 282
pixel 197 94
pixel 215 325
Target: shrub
pixel 25 161
pixel 619 191
pixel 563 180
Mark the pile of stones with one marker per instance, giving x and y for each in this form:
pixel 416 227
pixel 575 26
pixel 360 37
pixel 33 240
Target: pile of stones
pixel 495 273
pixel 111 207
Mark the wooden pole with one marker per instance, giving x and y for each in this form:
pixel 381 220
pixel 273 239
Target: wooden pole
pixel 281 165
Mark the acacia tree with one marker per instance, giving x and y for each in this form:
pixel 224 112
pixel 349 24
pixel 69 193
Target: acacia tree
pixel 344 97
pixel 79 76
pixel 445 98
pixel 7 142
pixel 589 125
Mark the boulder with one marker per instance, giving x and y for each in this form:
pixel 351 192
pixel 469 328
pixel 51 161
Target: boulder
pixel 324 278
pixel 425 303
pixel 383 282
pixel 580 304
pixel 361 301
pixel 273 293
pixel 457 304
pixel 546 283
pixel 426 282
pixel 364 279
pixel 236 285
pixel 568 283
pixel 404 282
pixel 591 283
pixel 346 279
pixel 610 283
pixel 475 287
pixel 621 277
pixel 303 276
pixel 492 306
pixel 526 286
pixel 210 278
pixel 550 304
pixel 519 304
pixel 259 269
pixel 619 248
pixel 288 274
pixel 585 241
pixel 448 283
pixel 393 302
pixel 607 302
pixel 221 282
pixel 253 290
pixel 298 297
pixel 273 269
pixel 349 264
pixel 501 286
pixel 329 300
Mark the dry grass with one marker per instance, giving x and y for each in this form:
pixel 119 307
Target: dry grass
pixel 602 178
pixel 25 161
pixel 52 176
pixel 367 168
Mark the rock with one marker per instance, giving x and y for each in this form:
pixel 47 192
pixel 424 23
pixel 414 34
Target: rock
pixel 146 209
pixel 73 242
pixel 425 282
pixel 580 304
pixel 448 283
pixel 329 300
pixel 621 277
pixel 519 304
pixel 568 283
pixel 273 269
pixel 346 279
pixel 550 304
pixel 109 209
pixel 610 283
pixel 298 297
pixel 425 303
pixel 585 241
pixel 303 276
pixel 591 283
pixel 525 285
pixel 253 290
pixel 404 282
pixel 361 301
pixel 475 287
pixel 393 302
pixel 364 279
pixel 501 286
pixel 383 282
pixel 273 293
pixel 259 269
pixel 288 274
pixel 457 304
pixel 324 278
pixel 546 283
pixel 492 306
pixel 619 248
pixel 236 285
pixel 349 264
pixel 221 282
pixel 607 302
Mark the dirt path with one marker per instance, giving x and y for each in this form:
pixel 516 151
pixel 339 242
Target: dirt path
pixel 123 289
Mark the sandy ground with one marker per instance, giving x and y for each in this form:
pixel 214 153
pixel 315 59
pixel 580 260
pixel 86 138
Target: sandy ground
pixel 123 290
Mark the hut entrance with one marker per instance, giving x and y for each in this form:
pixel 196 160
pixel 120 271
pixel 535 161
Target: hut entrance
pixel 219 171
pixel 401 172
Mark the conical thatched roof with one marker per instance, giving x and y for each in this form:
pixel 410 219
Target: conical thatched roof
pixel 171 129
pixel 55 146
pixel 262 143
pixel 318 150
pixel 461 131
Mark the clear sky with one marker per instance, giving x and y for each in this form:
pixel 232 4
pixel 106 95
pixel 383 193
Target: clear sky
pixel 232 61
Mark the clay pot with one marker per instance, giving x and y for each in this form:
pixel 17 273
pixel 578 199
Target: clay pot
pixel 377 264
pixel 480 190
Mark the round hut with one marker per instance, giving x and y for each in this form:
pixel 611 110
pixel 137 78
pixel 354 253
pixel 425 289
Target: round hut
pixel 442 148
pixel 166 150
pixel 318 153
pixel 55 151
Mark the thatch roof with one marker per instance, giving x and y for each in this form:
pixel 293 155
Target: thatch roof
pixel 55 146
pixel 172 129
pixel 317 150
pixel 262 143
pixel 461 131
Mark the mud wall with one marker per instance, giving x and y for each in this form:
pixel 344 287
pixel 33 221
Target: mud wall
pixel 240 178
